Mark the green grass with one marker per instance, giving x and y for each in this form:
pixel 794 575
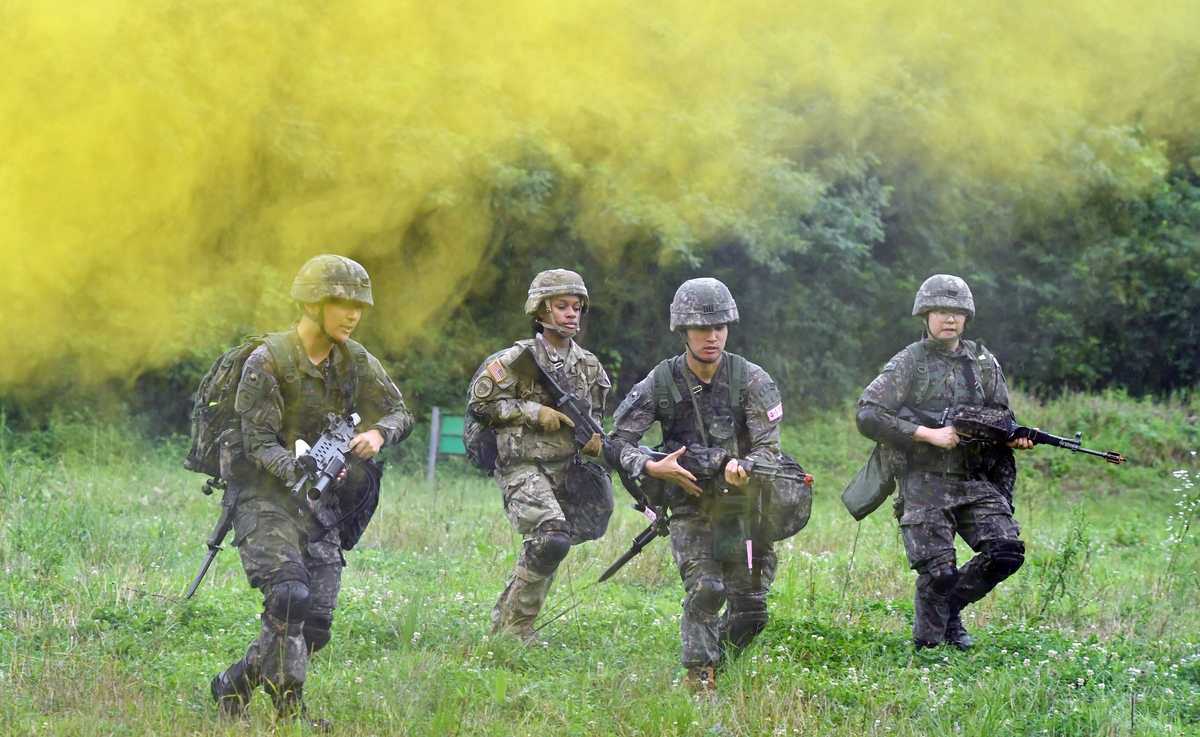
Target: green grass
pixel 98 543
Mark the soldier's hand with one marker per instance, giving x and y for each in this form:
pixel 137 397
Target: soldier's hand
pixel 550 419
pixel 593 447
pixel 735 475
pixel 669 470
pixel 941 437
pixel 366 445
pixel 1021 443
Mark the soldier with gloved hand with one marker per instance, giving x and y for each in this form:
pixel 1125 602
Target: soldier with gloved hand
pixel 553 497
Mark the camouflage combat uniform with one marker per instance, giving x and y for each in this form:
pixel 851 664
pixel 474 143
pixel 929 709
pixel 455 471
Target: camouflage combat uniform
pixel 286 549
pixel 708 532
pixel 532 466
pixel 967 490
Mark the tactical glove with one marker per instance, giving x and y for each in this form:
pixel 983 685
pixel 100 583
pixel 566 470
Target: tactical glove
pixel 550 419
pixel 593 447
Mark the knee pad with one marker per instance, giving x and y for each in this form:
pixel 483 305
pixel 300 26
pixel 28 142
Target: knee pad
pixel 318 631
pixel 548 549
pixel 742 626
pixel 1004 558
pixel 709 595
pixel 289 602
pixel 942 580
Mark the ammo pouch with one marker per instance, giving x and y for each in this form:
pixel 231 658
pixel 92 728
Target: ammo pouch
pixel 231 456
pixel 874 483
pixel 789 502
pixel 588 501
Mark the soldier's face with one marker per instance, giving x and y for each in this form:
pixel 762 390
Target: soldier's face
pixel 707 343
pixel 566 310
pixel 946 325
pixel 341 317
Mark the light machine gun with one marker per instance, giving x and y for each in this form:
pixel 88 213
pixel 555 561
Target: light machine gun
pixel 989 425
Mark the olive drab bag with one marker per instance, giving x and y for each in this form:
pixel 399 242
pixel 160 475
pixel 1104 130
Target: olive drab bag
pixel 478 438
pixel 213 416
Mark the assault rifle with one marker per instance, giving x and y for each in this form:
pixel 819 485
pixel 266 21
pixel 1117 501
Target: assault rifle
pixel 989 425
pixel 224 525
pixel 326 459
pixel 576 408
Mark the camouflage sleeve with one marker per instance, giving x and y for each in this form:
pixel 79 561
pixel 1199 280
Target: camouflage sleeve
pixel 764 412
pixel 382 404
pixel 630 422
pixel 598 398
pixel 883 398
pixel 260 405
pixel 493 399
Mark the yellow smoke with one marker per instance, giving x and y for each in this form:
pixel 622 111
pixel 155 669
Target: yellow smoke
pixel 165 167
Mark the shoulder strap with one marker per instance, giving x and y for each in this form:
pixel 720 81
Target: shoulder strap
pixel 285 362
pixel 920 385
pixel 665 393
pixel 739 380
pixel 359 355
pixel 986 364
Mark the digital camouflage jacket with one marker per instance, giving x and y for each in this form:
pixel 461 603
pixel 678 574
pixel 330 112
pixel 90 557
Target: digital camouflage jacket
pixel 277 410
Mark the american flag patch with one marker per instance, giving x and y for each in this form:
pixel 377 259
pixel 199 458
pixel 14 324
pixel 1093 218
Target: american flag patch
pixel 775 412
pixel 497 370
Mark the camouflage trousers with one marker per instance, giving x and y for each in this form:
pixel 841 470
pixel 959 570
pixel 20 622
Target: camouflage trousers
pixel 710 584
pixel 283 552
pixel 531 506
pixel 932 509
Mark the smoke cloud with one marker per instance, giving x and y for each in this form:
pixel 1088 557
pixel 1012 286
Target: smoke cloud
pixel 165 167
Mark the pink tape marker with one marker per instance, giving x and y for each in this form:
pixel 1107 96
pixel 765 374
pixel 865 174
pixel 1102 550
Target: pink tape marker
pixel 750 554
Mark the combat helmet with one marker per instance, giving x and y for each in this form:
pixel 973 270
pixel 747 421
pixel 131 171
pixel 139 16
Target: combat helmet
pixel 944 291
pixel 332 277
pixel 702 302
pixel 555 283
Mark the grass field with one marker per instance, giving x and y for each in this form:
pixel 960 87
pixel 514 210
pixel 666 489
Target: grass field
pixel 1097 634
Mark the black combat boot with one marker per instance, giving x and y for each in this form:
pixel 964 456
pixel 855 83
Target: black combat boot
pixel 290 707
pixel 231 691
pixel 956 634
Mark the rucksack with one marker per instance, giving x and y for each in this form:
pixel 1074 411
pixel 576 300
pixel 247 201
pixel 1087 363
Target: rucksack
pixel 478 438
pixel 213 413
pixel 984 364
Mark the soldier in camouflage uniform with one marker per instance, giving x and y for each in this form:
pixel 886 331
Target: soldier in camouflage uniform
pixel 946 486
pixel 536 454
pixel 291 550
pixel 727 403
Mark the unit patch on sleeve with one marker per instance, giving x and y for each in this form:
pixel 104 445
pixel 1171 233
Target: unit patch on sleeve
pixel 775 412
pixel 483 387
pixel 497 370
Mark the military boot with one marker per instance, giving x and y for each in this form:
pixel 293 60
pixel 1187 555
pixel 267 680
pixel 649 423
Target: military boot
pixel 290 707
pixel 232 688
pixel 701 680
pixel 956 633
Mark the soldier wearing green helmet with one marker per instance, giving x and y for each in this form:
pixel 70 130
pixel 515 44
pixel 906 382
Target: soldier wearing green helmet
pixel 710 403
pixel 553 496
pixel 946 487
pixel 291 550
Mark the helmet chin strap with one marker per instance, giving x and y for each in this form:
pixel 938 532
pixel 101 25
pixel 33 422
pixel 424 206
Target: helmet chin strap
pixel 692 353
pixel 552 325
pixel 319 319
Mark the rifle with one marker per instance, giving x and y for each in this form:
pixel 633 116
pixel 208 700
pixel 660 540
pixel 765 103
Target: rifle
pixel 989 425
pixel 576 408
pixel 326 459
pixel 709 463
pixel 224 525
